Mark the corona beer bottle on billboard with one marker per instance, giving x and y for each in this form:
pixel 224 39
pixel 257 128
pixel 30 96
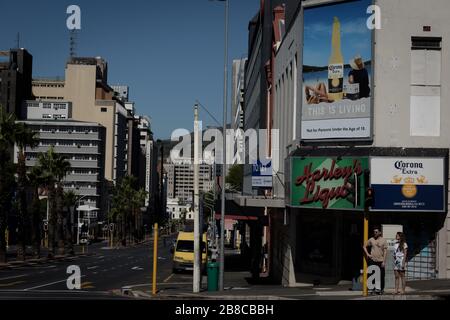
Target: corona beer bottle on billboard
pixel 336 65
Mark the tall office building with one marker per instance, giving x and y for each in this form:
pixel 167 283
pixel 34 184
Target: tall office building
pixel 15 80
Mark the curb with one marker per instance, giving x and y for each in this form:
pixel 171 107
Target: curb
pixel 401 297
pixel 193 296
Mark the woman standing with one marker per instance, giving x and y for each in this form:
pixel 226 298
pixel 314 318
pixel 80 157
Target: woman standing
pixel 400 255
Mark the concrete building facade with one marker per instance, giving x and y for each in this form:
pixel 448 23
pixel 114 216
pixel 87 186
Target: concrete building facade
pixel 85 86
pixel 180 180
pixel 82 143
pixel 16 67
pixel 409 117
pixel 49 110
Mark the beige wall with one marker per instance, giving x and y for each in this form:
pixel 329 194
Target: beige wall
pixel 46 91
pixel 107 120
pixel 400 21
pixel 80 89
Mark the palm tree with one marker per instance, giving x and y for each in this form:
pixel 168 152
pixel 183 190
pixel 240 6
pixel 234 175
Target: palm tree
pixel 125 211
pixel 7 124
pixel 36 180
pixel 62 168
pixel 55 168
pixel 24 137
pixel 70 199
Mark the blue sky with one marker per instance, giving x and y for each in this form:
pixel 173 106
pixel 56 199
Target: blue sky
pixel 355 36
pixel 170 53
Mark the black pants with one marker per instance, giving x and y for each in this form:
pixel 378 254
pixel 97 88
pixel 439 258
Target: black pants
pixel 382 272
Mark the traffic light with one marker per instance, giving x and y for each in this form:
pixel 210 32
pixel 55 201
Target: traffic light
pixel 369 198
pixel 368 190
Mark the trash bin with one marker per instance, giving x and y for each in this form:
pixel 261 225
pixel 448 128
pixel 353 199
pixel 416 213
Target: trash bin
pixel 213 276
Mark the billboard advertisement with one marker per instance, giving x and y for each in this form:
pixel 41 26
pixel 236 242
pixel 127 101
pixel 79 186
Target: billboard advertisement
pixel 262 174
pixel 323 183
pixel 337 72
pixel 408 184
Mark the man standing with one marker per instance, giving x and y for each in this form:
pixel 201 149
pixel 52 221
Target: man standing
pixel 377 256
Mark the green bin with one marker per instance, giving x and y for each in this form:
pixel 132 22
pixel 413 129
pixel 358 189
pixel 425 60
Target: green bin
pixel 213 276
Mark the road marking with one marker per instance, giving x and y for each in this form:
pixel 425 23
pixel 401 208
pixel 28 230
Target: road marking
pixel 14 277
pixel 87 285
pixel 137 268
pixel 11 284
pixel 92 268
pixel 169 277
pixel 48 284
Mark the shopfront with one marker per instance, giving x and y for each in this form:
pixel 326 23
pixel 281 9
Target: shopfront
pixel 411 192
pixel 327 196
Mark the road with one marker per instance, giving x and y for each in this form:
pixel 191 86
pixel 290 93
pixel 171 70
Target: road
pixel 103 274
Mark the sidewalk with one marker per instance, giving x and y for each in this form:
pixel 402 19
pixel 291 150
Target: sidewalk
pixel 239 286
pixel 423 290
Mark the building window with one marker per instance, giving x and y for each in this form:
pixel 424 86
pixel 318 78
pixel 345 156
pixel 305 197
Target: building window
pixel 425 106
pixel 104 109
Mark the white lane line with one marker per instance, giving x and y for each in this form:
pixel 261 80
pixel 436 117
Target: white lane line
pixel 92 268
pixel 14 277
pixel 137 268
pixel 48 284
pixel 168 278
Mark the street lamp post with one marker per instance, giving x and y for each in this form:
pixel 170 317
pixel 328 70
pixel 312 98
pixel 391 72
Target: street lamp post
pixel 225 96
pixel 161 182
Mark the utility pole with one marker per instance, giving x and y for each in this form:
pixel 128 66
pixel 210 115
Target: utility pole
pixel 224 146
pixel 366 238
pixel 197 275
pixel 155 258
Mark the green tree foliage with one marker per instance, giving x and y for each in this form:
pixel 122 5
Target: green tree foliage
pixel 55 168
pixel 235 177
pixel 7 180
pixel 126 209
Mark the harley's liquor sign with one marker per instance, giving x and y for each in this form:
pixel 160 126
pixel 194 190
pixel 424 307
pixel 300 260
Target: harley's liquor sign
pixel 325 183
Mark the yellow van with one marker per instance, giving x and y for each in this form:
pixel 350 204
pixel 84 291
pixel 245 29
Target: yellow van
pixel 183 255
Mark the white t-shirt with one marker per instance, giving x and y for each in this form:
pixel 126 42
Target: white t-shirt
pixel 397 252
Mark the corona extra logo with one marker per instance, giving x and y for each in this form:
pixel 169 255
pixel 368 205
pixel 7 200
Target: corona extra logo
pixel 409 191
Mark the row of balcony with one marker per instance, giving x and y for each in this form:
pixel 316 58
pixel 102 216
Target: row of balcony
pixel 83 164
